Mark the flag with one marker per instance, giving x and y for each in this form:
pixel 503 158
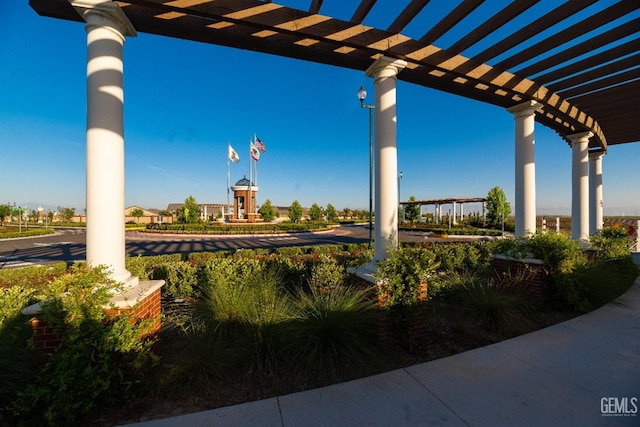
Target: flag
pixel 233 155
pixel 260 145
pixel 255 154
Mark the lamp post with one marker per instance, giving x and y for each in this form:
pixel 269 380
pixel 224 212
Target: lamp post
pixel 400 175
pixel 362 94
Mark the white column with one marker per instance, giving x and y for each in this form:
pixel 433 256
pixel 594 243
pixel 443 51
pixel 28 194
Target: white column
pixel 525 173
pixel 454 214
pixel 595 192
pixel 106 28
pixel 580 185
pixel 384 71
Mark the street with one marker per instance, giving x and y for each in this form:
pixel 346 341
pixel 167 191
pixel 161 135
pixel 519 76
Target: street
pixel 69 244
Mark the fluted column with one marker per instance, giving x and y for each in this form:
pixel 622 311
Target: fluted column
pixel 580 186
pixel 384 71
pixel 596 204
pixel 106 29
pixel 525 171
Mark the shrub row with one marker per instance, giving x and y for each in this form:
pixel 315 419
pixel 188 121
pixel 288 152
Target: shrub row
pixel 283 227
pixel 26 233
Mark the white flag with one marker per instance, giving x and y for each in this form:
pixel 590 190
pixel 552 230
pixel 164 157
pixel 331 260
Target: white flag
pixel 233 155
pixel 253 150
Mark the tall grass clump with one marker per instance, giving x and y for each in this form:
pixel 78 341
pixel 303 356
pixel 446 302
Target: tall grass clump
pixel 335 332
pixel 484 304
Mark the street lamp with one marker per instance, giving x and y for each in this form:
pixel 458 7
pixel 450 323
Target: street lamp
pixel 400 175
pixel 362 94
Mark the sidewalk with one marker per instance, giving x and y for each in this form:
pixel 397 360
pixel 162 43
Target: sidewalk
pixel 583 372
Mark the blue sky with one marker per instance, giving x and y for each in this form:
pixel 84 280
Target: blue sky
pixel 184 101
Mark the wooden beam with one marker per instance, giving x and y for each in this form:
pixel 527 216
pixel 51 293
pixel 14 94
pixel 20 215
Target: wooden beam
pixel 407 15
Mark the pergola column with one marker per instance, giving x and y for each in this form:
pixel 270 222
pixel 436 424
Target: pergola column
pixel 384 71
pixel 595 192
pixel 525 172
pixel 106 26
pixel 580 185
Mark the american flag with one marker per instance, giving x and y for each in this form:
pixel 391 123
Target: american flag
pixel 260 145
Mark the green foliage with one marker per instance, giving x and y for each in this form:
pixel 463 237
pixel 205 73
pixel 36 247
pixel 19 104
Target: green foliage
pixel 190 211
pixel 12 232
pixel 401 276
pixel 137 213
pixel 31 277
pixel 267 211
pixel 327 273
pixel 332 214
pixel 295 211
pixel 498 209
pixel 15 357
pixel 489 307
pixel 66 214
pixel 181 279
pixel 5 211
pixel 99 360
pixel 335 330
pixel 611 242
pixel 315 212
pixel 411 212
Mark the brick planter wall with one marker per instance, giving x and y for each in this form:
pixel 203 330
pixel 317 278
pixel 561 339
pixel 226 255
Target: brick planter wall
pixel 142 301
pixel 529 273
pixel 390 327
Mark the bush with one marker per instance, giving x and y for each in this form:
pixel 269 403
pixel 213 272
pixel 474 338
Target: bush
pixel 400 277
pixel 99 360
pixel 16 370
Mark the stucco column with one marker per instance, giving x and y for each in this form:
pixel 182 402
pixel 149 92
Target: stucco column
pixel 596 204
pixel 106 28
pixel 525 172
pixel 384 71
pixel 580 185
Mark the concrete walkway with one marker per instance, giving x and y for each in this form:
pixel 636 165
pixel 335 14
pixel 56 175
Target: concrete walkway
pixel 583 372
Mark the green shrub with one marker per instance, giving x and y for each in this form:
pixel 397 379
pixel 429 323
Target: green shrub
pixel 181 279
pixel 401 276
pixel 327 273
pixel 16 370
pixel 99 360
pixel 612 242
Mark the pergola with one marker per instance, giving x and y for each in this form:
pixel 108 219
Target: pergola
pixel 578 91
pixel 572 66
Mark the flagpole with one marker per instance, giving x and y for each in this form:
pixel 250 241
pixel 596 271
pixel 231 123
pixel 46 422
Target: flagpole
pixel 228 177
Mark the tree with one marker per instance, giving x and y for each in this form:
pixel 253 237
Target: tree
pixel 5 210
pixel 190 213
pixel 411 212
pixel 315 212
pixel 66 213
pixel 137 213
pixel 267 211
pixel 332 215
pixel 497 207
pixel 346 212
pixel 295 211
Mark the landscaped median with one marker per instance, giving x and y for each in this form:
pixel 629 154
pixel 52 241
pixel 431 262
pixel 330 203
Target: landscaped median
pixel 11 232
pixel 238 228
